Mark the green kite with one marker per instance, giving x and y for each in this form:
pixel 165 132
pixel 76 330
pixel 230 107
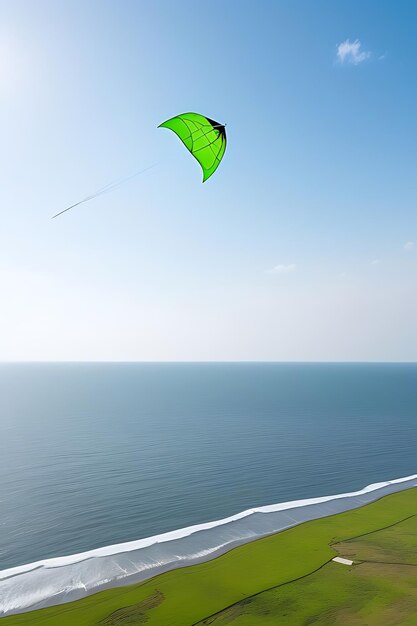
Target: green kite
pixel 204 138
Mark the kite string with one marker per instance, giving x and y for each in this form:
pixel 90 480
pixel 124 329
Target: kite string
pixel 106 189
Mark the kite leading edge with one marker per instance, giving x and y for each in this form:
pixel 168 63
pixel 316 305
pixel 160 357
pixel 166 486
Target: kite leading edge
pixel 202 136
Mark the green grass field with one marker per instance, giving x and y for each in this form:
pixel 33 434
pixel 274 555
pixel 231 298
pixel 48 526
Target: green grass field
pixel 380 588
pixel 287 578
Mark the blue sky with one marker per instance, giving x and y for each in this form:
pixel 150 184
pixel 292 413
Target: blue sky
pixel 300 247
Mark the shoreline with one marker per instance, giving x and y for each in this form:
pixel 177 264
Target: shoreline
pixel 63 579
pixel 190 595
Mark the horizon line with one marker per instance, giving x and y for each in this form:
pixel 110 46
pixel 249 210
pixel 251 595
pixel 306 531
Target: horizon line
pixel 208 362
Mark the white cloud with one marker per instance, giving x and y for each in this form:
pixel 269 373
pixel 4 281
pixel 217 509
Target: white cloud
pixel 409 245
pixel 350 52
pixel 375 261
pixel 283 269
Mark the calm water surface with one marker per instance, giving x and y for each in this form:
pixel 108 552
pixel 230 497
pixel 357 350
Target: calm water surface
pixel 96 454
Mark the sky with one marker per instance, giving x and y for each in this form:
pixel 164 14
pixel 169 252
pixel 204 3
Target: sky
pixel 301 247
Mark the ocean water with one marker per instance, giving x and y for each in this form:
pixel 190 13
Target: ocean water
pixel 97 454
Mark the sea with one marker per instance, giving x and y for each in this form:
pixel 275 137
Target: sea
pixel 95 454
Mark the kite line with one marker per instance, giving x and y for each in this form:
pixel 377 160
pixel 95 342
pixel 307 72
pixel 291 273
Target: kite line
pixel 204 153
pixel 106 189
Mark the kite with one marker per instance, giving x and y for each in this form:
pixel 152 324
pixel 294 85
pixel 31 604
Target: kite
pixel 204 138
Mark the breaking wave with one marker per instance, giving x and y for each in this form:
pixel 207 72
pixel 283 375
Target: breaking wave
pixel 62 579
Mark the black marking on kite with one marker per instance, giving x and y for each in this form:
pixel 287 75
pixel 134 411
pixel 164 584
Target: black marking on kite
pixel 221 127
pixel 210 126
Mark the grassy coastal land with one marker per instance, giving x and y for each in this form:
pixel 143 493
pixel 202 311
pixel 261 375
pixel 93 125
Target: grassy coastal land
pixel 288 578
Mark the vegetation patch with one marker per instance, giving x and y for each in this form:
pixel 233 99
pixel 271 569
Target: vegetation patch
pixel 135 614
pixel 395 544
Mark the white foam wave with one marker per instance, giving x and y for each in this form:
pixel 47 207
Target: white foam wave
pixel 137 544
pixel 55 580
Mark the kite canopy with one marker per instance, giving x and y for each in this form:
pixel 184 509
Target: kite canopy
pixel 204 138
